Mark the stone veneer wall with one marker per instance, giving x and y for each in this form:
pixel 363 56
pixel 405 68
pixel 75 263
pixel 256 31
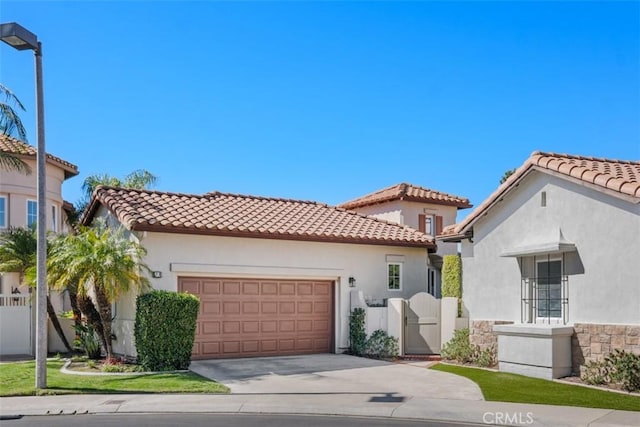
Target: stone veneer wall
pixel 594 341
pixel 481 333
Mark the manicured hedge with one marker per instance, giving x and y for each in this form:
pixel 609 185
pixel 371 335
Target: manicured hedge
pixel 452 276
pixel 165 330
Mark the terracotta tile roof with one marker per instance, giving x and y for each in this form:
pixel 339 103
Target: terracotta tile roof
pixel 408 192
pixel 617 177
pixel 11 145
pixel 248 216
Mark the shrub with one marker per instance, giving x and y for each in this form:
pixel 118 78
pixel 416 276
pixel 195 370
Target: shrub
pixel 165 330
pixel 484 358
pixel 86 341
pixel 452 276
pixel 460 349
pixel 625 369
pixel 357 334
pixel 620 367
pixel 381 345
pixel 595 372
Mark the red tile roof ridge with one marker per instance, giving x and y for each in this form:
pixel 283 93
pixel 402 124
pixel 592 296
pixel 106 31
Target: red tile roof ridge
pixel 628 185
pixel 145 190
pixel 579 157
pixel 9 144
pixel 275 199
pixel 403 190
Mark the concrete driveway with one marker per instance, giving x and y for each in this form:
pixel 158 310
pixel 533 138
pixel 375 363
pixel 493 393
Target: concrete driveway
pixel 336 374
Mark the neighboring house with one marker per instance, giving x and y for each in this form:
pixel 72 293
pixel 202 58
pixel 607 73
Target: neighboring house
pixel 555 251
pixel 274 275
pixel 19 208
pixel 425 210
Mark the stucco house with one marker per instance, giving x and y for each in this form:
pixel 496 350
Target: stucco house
pixel 423 209
pixel 550 264
pixel 18 208
pixel 274 275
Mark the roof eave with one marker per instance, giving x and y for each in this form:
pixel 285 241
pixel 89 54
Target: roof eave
pixel 282 236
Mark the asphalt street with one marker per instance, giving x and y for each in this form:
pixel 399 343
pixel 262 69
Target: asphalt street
pixel 219 420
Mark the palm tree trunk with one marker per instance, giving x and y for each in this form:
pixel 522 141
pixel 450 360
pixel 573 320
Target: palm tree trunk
pixel 104 309
pixel 56 324
pixel 93 317
pixel 73 299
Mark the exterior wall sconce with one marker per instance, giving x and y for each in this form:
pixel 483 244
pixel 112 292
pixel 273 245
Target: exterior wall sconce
pixel 156 274
pixel 352 282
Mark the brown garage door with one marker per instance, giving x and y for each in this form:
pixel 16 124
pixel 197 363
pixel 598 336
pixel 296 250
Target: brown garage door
pixel 256 317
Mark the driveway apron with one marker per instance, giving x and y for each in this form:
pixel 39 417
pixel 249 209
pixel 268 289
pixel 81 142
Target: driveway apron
pixel 332 374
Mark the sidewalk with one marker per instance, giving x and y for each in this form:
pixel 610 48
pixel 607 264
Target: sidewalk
pixel 347 404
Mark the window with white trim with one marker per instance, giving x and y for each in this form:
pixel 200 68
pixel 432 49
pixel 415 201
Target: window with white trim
pixel 394 276
pixel 32 213
pixel 3 212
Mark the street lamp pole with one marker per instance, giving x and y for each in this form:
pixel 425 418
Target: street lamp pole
pixel 22 39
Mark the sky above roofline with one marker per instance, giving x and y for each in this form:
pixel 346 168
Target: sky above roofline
pixel 328 101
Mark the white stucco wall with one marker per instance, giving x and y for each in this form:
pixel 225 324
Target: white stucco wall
pixel 176 255
pixel 604 273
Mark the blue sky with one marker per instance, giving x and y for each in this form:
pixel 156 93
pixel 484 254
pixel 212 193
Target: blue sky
pixel 328 101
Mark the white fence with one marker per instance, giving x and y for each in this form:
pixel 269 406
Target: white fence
pixel 392 318
pixel 15 324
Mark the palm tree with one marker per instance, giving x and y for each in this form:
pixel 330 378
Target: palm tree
pixel 139 179
pixel 18 248
pixel 105 261
pixel 10 124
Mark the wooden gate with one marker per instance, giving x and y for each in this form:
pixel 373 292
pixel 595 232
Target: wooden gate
pixel 422 324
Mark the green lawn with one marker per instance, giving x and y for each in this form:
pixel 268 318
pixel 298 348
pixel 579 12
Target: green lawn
pixel 18 379
pixel 504 387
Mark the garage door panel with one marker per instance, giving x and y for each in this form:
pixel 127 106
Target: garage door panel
pixel 210 287
pixel 251 307
pixel 268 326
pixel 322 289
pixel 321 307
pixel 231 288
pixel 230 327
pixel 210 308
pixel 285 326
pixel 320 326
pixel 191 286
pixel 269 308
pixel 269 288
pixel 305 307
pixel 287 307
pixel 250 327
pixel 230 308
pixel 286 345
pixel 209 328
pixel 268 346
pixel 287 288
pixel 304 326
pixel 253 317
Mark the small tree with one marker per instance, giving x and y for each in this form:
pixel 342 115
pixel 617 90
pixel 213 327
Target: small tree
pixel 105 261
